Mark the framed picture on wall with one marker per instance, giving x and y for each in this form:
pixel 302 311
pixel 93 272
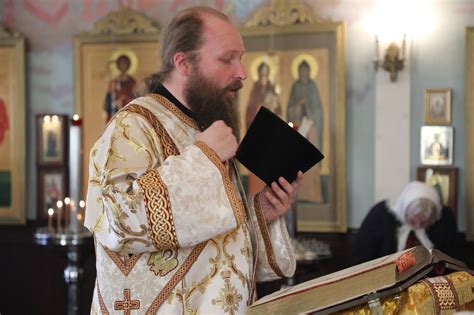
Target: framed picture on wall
pixel 122 46
pixel 52 134
pixel 12 127
pixel 444 179
pixel 295 66
pixel 436 145
pixel 52 186
pixel 437 103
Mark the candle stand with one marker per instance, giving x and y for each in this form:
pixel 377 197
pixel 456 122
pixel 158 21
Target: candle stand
pixel 73 241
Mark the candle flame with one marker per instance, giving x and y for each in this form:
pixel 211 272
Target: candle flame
pixel 50 211
pixel 82 203
pixel 67 200
pixel 59 204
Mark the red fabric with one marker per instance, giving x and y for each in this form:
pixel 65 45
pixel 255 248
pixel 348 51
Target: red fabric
pixel 4 125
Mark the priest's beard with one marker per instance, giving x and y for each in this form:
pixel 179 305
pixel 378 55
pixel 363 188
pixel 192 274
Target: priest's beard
pixel 210 103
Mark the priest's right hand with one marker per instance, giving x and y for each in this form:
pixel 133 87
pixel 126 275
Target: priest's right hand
pixel 219 137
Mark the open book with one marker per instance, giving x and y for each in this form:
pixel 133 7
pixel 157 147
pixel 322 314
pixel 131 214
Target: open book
pixel 352 286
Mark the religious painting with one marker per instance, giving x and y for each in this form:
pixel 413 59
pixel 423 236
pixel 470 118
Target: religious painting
pixel 52 186
pixel 110 61
pixel 444 179
pixel 12 127
pixel 469 132
pixel 295 67
pixel 436 145
pixel 437 106
pixel 52 135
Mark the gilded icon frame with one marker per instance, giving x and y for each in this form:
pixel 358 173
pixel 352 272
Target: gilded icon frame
pixel 12 148
pixel 51 180
pixel 284 34
pixel 469 132
pixel 437 145
pixel 96 52
pixel 444 177
pixel 52 140
pixel 437 106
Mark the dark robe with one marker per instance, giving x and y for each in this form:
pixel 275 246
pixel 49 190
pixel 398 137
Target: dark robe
pixel 377 235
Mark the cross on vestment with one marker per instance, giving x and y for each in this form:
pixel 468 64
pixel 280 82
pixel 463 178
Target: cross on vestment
pixel 127 304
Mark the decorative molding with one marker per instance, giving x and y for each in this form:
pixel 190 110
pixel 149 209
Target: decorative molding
pixel 284 13
pixel 7 33
pixel 124 22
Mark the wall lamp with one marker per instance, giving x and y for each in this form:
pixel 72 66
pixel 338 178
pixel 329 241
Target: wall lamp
pixel 394 58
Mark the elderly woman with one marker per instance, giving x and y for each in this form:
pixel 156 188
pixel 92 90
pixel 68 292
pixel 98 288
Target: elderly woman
pixel 416 218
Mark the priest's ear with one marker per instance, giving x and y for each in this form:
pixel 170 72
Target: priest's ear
pixel 183 62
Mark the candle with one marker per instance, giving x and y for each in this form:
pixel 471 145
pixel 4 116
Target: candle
pixel 403 47
pixel 59 205
pixel 79 220
pixel 50 219
pixel 75 157
pixel 67 201
pixel 82 206
pixel 73 215
pixel 377 53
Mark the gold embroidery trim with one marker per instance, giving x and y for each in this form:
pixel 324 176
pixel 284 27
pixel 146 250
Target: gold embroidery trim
pixel 160 217
pixel 266 237
pixel 102 306
pixel 235 202
pixel 167 144
pixel 157 201
pixel 127 304
pixel 443 292
pixel 126 265
pixel 180 273
pixel 168 149
pixel 172 108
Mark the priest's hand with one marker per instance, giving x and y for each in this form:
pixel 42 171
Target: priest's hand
pixel 219 137
pixel 276 200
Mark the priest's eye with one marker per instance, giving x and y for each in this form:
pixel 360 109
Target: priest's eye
pixel 226 60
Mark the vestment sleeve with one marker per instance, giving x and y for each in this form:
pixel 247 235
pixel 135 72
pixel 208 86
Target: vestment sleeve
pixel 276 258
pixel 142 199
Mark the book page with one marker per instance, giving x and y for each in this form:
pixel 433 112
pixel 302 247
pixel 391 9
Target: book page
pixel 336 276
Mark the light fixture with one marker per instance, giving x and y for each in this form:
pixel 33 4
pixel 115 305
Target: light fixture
pixel 393 60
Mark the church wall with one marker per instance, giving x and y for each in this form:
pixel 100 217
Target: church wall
pixel 437 61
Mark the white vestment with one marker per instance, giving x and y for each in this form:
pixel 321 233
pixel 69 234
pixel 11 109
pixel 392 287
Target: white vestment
pixel 171 232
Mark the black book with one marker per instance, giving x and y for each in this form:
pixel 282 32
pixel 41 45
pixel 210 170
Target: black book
pixel 271 148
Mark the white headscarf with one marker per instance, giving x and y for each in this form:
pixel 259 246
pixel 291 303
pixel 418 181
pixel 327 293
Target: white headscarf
pixel 412 192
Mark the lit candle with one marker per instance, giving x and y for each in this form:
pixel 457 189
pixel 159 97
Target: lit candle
pixel 59 205
pixel 75 157
pixel 79 220
pixel 73 225
pixel 50 219
pixel 67 201
pixel 81 213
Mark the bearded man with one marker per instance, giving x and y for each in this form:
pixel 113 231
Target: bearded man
pixel 174 233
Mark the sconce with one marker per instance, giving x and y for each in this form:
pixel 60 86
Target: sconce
pixel 393 60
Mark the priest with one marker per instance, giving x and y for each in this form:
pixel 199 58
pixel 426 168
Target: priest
pixel 173 230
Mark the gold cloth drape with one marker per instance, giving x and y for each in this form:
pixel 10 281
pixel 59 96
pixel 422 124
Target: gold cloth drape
pixel 438 295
